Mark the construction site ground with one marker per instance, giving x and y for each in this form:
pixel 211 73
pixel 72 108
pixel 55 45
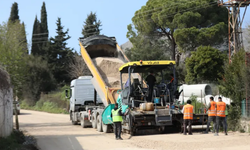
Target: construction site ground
pixel 55 132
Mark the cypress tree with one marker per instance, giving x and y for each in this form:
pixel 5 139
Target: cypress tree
pixel 36 43
pixel 91 25
pixel 44 22
pixel 14 13
pixel 24 39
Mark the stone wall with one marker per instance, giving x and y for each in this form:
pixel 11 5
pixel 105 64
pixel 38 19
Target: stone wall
pixel 6 104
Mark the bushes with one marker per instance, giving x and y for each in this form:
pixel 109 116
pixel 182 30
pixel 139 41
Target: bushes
pixel 233 119
pixel 17 141
pixel 54 102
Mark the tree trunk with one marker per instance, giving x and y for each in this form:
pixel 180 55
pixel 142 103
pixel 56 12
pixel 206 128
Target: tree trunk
pixel 174 51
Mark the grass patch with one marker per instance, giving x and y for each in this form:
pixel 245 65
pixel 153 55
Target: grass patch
pixel 53 102
pixel 16 141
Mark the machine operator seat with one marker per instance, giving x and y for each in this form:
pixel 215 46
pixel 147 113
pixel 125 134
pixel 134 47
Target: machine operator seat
pixel 136 84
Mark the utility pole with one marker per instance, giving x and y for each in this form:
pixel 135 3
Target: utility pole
pixel 235 39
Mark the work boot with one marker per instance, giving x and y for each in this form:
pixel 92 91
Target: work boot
pixel 120 138
pixel 216 134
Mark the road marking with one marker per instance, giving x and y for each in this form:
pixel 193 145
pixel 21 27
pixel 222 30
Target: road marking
pixel 71 143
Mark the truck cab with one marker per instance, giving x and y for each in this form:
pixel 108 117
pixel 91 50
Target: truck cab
pixel 82 97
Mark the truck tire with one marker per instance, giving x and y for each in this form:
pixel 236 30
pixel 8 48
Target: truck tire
pixel 93 121
pixel 71 117
pixel 99 123
pixel 106 128
pixel 83 124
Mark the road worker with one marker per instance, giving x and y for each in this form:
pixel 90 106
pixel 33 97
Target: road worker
pixel 220 118
pixel 211 115
pixel 187 111
pixel 116 115
pixel 150 82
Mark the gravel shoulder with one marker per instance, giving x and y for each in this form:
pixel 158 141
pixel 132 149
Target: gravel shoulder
pixel 55 131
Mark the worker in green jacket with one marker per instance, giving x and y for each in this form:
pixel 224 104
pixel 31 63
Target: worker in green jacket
pixel 225 120
pixel 116 115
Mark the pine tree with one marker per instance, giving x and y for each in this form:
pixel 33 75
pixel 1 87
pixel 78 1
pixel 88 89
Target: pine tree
pixel 59 54
pixel 44 22
pixel 36 39
pixel 14 13
pixel 91 25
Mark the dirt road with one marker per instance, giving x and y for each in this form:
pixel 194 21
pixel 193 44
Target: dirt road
pixel 55 132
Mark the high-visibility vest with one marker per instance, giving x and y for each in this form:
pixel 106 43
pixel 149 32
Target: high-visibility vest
pixel 221 107
pixel 188 112
pixel 212 109
pixel 172 80
pixel 115 115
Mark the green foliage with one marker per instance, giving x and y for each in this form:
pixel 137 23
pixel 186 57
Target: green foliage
pixel 233 119
pixel 182 21
pixel 181 73
pixel 91 25
pixel 58 54
pixel 36 48
pixel 14 13
pixel 206 64
pixel 23 39
pixel 233 84
pixel 44 22
pixel 39 79
pixel 13 56
pixel 40 34
pixel 15 141
pixel 198 106
pixel 145 47
pixel 53 102
pixel 188 39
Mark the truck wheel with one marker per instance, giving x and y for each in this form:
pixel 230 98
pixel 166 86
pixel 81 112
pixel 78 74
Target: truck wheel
pixel 93 121
pixel 83 125
pixel 99 123
pixel 106 128
pixel 71 117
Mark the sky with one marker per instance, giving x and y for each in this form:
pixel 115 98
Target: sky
pixel 115 15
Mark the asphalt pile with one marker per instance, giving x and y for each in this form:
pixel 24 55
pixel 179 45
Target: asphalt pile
pixel 109 70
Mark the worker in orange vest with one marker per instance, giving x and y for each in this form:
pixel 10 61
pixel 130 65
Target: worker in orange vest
pixel 211 115
pixel 187 111
pixel 221 108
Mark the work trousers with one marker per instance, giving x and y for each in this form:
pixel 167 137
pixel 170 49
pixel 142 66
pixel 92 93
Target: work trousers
pixel 210 119
pixel 225 122
pixel 117 129
pixel 150 94
pixel 187 122
pixel 220 120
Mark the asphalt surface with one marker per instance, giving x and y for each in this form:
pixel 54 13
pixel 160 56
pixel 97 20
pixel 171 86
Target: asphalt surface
pixel 55 132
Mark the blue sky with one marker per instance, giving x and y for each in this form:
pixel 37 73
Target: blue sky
pixel 114 14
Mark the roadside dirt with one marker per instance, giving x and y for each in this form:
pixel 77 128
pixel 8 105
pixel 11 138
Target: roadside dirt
pixel 55 132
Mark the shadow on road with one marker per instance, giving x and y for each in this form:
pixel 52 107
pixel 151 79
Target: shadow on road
pixel 25 113
pixel 61 142
pixel 44 124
